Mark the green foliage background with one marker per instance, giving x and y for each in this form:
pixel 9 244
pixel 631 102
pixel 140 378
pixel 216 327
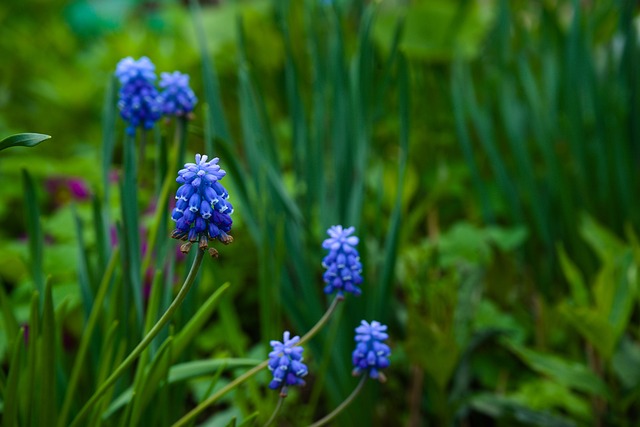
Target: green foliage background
pixel 486 151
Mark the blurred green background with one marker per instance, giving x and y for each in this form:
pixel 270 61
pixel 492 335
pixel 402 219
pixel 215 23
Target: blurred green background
pixel 487 152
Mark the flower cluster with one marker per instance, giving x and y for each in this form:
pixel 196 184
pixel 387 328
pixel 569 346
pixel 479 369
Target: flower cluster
pixel 177 97
pixel 139 102
pixel 343 262
pixel 371 354
pixel 285 362
pixel 202 207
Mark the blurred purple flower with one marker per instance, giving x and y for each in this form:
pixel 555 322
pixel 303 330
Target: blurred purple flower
pixel 64 189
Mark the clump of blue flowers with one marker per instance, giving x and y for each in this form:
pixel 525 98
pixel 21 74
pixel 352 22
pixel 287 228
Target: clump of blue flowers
pixel 371 354
pixel 177 97
pixel 139 102
pixel 202 207
pixel 285 362
pixel 343 262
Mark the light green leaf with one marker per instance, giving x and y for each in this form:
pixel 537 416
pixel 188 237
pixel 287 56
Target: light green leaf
pixel 568 373
pixel 604 243
pixel 509 409
pixel 574 277
pixel 543 394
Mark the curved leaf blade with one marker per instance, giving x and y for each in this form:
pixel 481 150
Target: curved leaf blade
pixel 23 140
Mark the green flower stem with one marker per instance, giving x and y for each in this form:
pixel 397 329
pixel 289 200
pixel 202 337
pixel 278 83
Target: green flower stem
pixel 155 330
pixel 275 411
pixel 181 139
pixel 344 404
pixel 142 152
pixel 86 338
pixel 323 320
pixel 176 156
pixel 190 416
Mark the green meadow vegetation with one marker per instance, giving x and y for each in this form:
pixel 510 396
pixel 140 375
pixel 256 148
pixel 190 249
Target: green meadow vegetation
pixel 487 153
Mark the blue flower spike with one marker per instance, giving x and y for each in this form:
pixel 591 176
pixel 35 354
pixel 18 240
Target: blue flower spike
pixel 139 102
pixel 285 362
pixel 344 270
pixel 177 97
pixel 371 353
pixel 202 211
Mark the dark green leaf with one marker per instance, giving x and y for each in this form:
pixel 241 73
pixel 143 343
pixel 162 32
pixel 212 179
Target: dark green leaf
pixel 23 140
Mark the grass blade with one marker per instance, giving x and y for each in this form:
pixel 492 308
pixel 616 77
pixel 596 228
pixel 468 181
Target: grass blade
pixel 34 227
pixel 12 395
pixel 47 361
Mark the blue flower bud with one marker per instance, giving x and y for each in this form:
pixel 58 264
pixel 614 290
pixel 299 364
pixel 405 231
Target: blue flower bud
pixel 371 354
pixel 201 213
pixel 139 102
pixel 177 97
pixel 285 362
pixel 342 262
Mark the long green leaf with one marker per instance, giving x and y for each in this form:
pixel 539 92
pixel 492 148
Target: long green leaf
pixel 10 323
pixel 184 372
pixel 211 86
pixel 393 235
pixel 94 316
pixel 109 114
pixel 36 240
pixel 131 232
pixel 197 321
pixel 13 395
pixel 32 411
pixel 23 140
pixel 157 371
pixel 47 360
pixel 84 277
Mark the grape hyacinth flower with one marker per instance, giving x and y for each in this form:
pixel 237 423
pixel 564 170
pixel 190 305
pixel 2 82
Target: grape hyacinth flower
pixel 285 362
pixel 202 208
pixel 177 97
pixel 371 354
pixel 343 262
pixel 139 102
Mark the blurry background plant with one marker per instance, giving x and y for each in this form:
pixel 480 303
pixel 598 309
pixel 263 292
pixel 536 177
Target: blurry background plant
pixel 501 252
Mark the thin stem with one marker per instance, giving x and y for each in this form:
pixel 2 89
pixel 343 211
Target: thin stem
pixel 155 330
pixel 275 411
pixel 344 404
pixel 323 320
pixel 141 154
pixel 244 377
pixel 181 140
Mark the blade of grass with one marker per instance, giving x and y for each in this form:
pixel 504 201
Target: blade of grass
pixel 84 277
pixel 185 372
pixel 157 370
pixel 13 395
pixel 211 86
pixel 34 228
pixel 197 322
pixel 459 113
pixel 131 231
pixel 10 323
pixel 383 294
pixel 91 323
pixel 47 360
pixel 31 401
pixel 108 134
